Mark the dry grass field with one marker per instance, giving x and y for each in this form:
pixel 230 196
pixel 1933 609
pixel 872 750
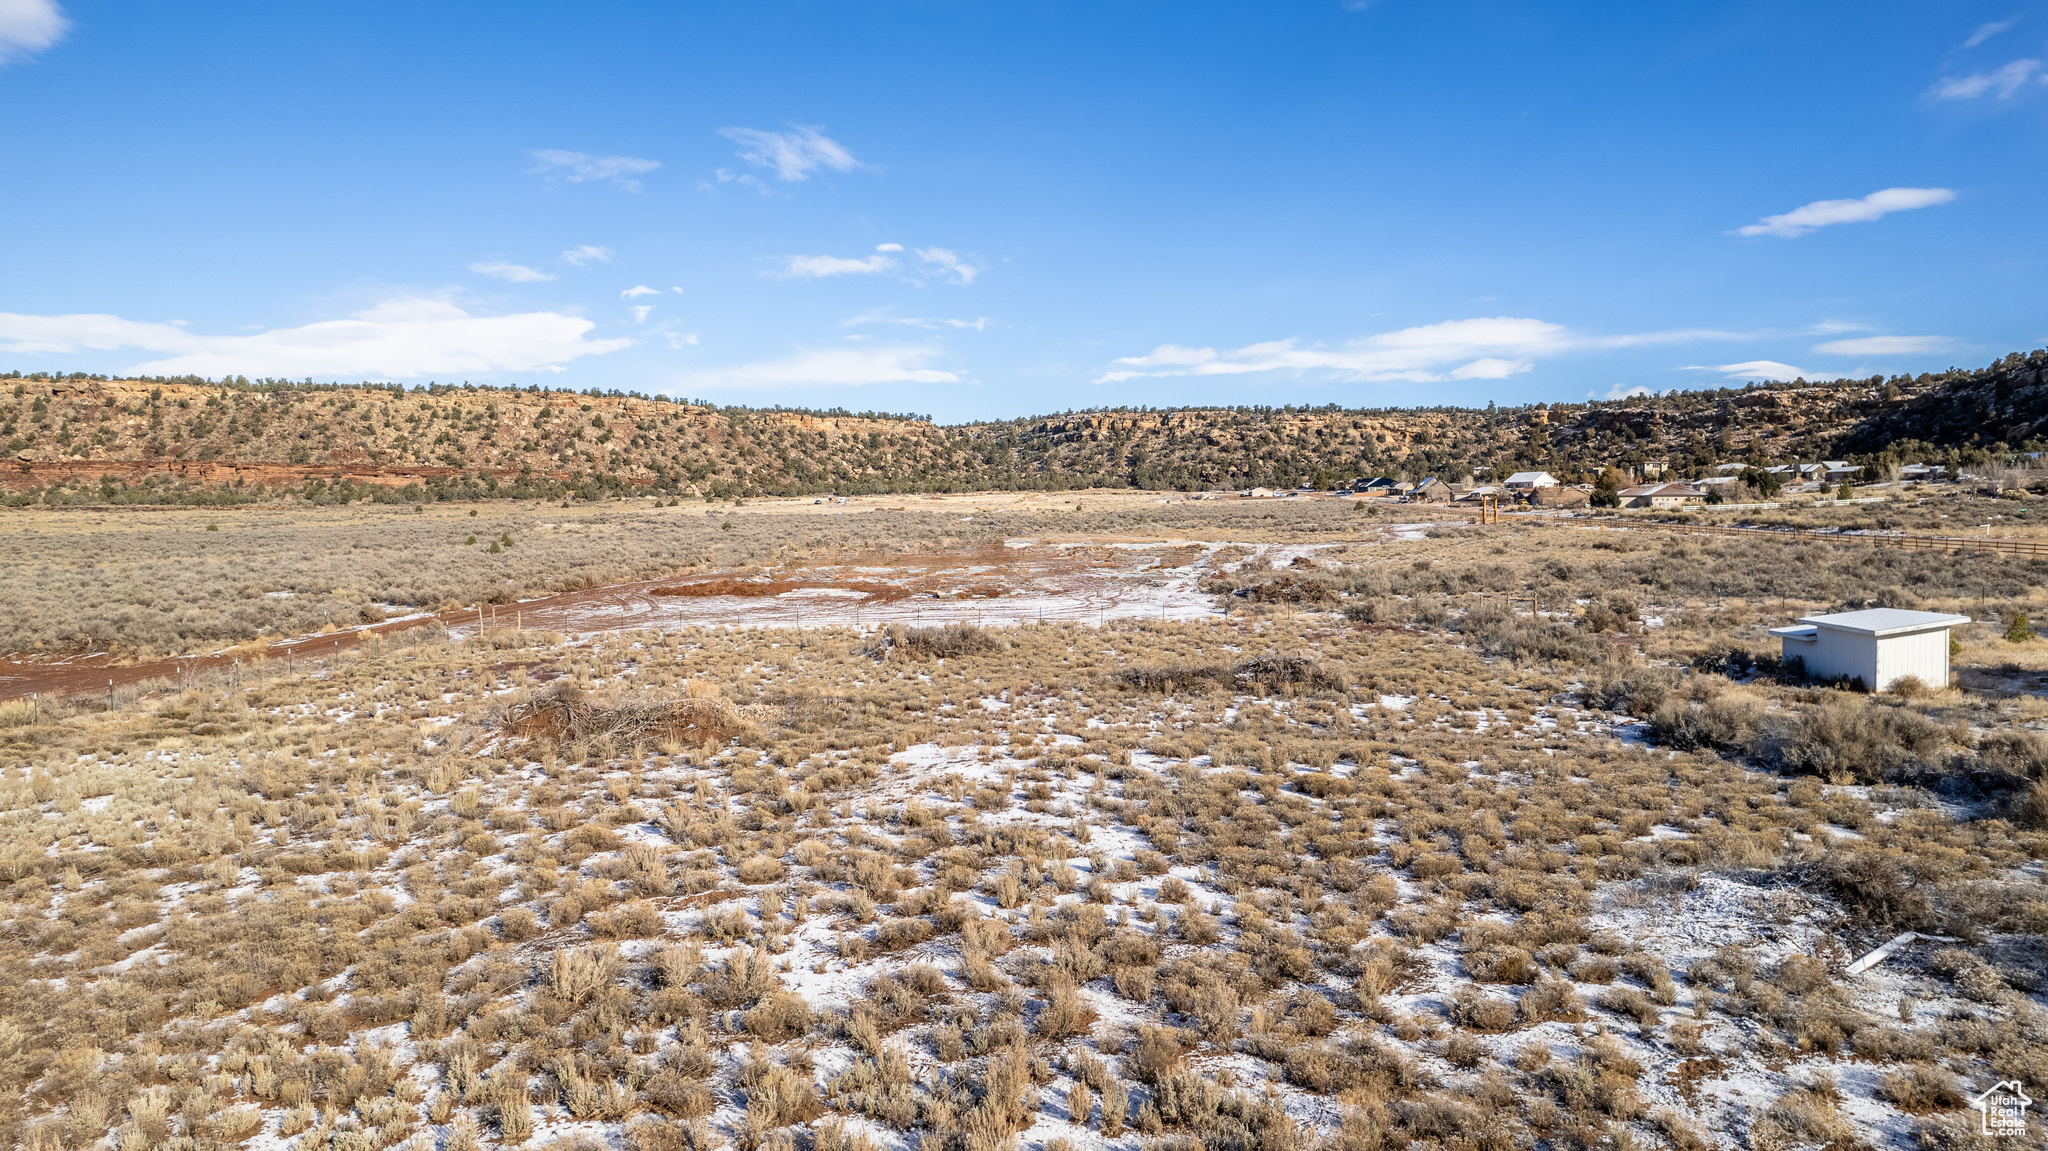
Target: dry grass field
pixel 1477 838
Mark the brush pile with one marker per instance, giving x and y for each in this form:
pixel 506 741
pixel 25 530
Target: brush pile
pixel 568 716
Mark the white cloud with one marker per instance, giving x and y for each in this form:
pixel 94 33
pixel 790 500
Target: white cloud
pixel 640 312
pixel 1477 349
pixel 1762 370
pixel 837 366
pixel 2005 81
pixel 817 267
pixel 1987 31
pixel 1830 327
pixel 579 167
pixel 1622 392
pixel 396 339
pixel 956 269
pixel 888 247
pixel 1491 368
pixel 794 154
pixel 1883 345
pixel 29 26
pixel 1822 213
pixel 587 254
pixel 499 269
pixel 639 290
pixel 882 316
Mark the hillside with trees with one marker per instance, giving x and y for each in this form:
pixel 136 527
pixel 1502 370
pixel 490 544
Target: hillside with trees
pixel 85 439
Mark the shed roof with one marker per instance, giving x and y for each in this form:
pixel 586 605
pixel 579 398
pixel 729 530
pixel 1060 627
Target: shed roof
pixel 1885 621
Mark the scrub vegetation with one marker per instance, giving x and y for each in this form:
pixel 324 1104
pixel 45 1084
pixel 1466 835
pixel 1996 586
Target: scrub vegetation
pixel 1476 838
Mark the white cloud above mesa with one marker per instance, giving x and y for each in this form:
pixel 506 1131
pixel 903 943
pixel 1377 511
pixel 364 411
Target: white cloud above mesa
pixel 1761 370
pixel 581 167
pixel 29 26
pixel 587 254
pixel 1489 348
pixel 1822 213
pixel 791 155
pixel 516 273
pixel 397 339
pixel 638 290
pixel 2004 82
pixel 843 367
pixel 819 267
pixel 1883 345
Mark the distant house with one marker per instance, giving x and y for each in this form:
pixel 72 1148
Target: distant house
pixel 1475 495
pixel 1560 497
pixel 1526 481
pixel 1798 473
pixel 1875 648
pixel 1375 486
pixel 1256 493
pixel 1922 472
pixel 1730 469
pixel 1837 471
pixel 1660 495
pixel 1432 491
pixel 1653 469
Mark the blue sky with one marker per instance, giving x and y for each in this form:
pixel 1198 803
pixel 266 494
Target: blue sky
pixel 981 210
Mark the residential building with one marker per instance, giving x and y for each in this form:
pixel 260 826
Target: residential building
pixel 1660 495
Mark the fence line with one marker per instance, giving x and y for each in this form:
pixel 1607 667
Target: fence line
pixel 1890 540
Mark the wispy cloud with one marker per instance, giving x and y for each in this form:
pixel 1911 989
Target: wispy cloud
pixel 835 366
pixel 1478 349
pixel 580 167
pixel 1883 346
pixel 29 26
pixel 2005 81
pixel 1987 31
pixel 638 290
pixel 1821 213
pixel 499 269
pixel 1622 392
pixel 397 339
pixel 587 254
pixel 1759 370
pixel 818 267
pixel 949 262
pixel 884 316
pixel 792 155
pixel 641 312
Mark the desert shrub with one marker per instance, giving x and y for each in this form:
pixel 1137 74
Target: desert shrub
pixel 1154 1054
pixel 2018 755
pixel 1882 886
pixel 1920 1090
pixel 779 1017
pixel 1472 1008
pixel 1851 736
pixel 945 641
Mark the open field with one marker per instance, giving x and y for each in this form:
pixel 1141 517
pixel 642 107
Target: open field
pixel 1261 825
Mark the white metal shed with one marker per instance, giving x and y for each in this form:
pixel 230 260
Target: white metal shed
pixel 1876 647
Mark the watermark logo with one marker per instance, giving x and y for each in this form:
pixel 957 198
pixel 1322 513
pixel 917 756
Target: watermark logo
pixel 2002 1109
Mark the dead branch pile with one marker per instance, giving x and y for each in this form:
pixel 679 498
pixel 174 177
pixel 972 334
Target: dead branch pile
pixel 568 716
pixel 1273 671
pixel 942 642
